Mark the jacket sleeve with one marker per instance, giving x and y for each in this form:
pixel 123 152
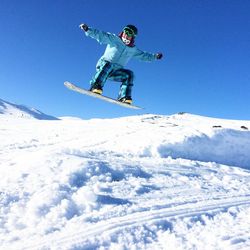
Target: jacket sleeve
pixel 101 36
pixel 144 56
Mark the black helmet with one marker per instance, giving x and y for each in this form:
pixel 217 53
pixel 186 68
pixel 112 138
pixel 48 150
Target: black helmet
pixel 133 28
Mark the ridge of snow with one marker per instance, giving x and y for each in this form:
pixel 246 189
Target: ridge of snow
pixel 11 110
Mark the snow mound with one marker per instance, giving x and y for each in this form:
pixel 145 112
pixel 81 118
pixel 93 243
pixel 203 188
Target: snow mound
pixel 9 109
pixel 227 143
pixel 185 136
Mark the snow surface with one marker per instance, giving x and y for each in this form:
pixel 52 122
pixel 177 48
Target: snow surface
pixel 141 182
pixel 21 111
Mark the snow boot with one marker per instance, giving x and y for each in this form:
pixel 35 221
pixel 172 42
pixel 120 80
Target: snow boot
pixel 96 89
pixel 126 99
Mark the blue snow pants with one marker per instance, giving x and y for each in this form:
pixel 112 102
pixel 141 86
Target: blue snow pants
pixel 106 70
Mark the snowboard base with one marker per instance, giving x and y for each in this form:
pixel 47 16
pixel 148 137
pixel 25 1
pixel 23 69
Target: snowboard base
pixel 83 91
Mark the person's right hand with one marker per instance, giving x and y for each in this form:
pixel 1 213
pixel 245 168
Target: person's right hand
pixel 84 26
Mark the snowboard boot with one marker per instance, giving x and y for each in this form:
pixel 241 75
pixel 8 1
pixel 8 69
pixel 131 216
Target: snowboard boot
pixel 126 99
pixel 97 89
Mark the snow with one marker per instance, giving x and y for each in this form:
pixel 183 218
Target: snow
pixel 21 111
pixel 139 182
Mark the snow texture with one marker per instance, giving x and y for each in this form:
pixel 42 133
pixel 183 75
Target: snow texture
pixel 140 182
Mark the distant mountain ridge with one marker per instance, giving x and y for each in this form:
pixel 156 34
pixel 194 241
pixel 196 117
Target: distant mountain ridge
pixel 22 111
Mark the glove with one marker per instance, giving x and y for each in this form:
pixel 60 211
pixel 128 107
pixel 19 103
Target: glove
pixel 159 56
pixel 84 27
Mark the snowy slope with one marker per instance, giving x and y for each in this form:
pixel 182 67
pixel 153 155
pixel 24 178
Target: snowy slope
pixel 20 111
pixel 142 182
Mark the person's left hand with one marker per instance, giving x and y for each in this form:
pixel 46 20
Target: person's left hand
pixel 159 56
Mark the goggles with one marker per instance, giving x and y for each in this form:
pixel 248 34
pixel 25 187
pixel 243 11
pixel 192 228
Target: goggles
pixel 129 32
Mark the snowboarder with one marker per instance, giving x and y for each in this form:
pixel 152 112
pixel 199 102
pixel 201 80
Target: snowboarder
pixel 120 49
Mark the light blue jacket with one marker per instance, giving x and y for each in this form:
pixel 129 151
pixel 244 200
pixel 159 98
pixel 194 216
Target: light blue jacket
pixel 116 51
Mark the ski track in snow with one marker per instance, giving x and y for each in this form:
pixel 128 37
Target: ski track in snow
pixel 113 225
pixel 146 182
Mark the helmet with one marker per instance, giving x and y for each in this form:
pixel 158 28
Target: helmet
pixel 131 27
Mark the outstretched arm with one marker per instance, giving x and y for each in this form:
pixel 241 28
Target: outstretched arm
pixel 146 56
pixel 101 36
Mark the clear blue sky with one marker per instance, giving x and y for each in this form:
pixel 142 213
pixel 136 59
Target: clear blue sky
pixel 205 69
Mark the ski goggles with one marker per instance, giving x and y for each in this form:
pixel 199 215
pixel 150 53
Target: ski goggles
pixel 129 32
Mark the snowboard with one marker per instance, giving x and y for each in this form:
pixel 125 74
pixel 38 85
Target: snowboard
pixel 83 91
